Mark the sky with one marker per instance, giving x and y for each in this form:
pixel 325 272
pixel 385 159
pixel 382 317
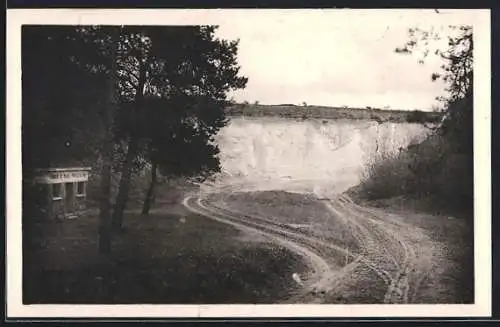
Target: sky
pixel 335 58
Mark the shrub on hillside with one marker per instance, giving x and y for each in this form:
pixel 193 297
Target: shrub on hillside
pixel 386 176
pixel 416 116
pixel 430 170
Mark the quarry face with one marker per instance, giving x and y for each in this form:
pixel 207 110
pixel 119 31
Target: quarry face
pixel 319 156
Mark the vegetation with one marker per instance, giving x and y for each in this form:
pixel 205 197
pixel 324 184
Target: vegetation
pixel 323 112
pixel 438 170
pixel 158 262
pixel 124 98
pixel 417 116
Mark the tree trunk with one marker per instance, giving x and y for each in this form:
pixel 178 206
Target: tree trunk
pixel 124 188
pixel 133 144
pixel 105 206
pixel 151 190
pixel 104 243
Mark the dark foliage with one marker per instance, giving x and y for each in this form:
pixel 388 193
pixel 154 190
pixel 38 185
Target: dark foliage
pixel 440 168
pixel 416 116
pixel 171 82
pixel 61 101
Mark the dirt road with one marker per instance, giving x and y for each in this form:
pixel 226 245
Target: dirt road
pixel 392 260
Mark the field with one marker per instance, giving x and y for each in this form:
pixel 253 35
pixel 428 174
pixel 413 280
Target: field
pixel 301 211
pixel 323 112
pixel 171 256
pixel 344 254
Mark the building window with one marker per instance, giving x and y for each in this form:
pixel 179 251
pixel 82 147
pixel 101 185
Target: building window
pixel 80 188
pixel 56 191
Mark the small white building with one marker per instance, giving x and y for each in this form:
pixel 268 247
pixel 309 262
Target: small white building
pixel 62 192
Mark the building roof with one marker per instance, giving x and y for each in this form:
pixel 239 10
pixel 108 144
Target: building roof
pixel 62 169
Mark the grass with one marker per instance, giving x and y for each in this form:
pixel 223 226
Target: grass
pixel 294 208
pixel 430 185
pixel 163 258
pixel 361 286
pixel 430 173
pixel 324 112
pixel 455 235
pixel 453 281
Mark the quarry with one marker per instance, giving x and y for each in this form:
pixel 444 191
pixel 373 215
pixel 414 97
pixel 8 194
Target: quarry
pixel 321 155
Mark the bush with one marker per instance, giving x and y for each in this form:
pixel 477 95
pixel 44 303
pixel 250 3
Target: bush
pixel 416 116
pixel 384 176
pixel 430 170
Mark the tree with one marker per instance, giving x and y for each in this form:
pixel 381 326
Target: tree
pixel 456 128
pixel 196 114
pixel 108 142
pixel 64 104
pixel 125 96
pixel 456 72
pixel 61 100
pixel 457 69
pixel 134 62
pixel 181 77
pixel 193 144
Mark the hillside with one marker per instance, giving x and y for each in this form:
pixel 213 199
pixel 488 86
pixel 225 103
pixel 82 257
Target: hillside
pixel 323 112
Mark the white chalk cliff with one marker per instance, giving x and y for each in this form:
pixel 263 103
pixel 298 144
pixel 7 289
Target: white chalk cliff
pixel 320 156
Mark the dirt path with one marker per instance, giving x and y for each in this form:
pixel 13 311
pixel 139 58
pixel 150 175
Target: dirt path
pixel 397 253
pixel 320 268
pixel 404 250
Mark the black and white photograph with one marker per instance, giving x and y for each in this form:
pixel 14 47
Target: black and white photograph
pixel 251 157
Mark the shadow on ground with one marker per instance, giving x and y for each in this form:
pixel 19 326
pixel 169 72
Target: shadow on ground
pixel 163 258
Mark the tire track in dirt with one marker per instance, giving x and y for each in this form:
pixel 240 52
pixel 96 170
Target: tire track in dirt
pixel 388 246
pixel 399 237
pixel 384 251
pixel 421 248
pixel 368 243
pixel 320 267
pixel 323 279
pixel 384 275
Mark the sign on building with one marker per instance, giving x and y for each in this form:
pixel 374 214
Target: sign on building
pixel 62 191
